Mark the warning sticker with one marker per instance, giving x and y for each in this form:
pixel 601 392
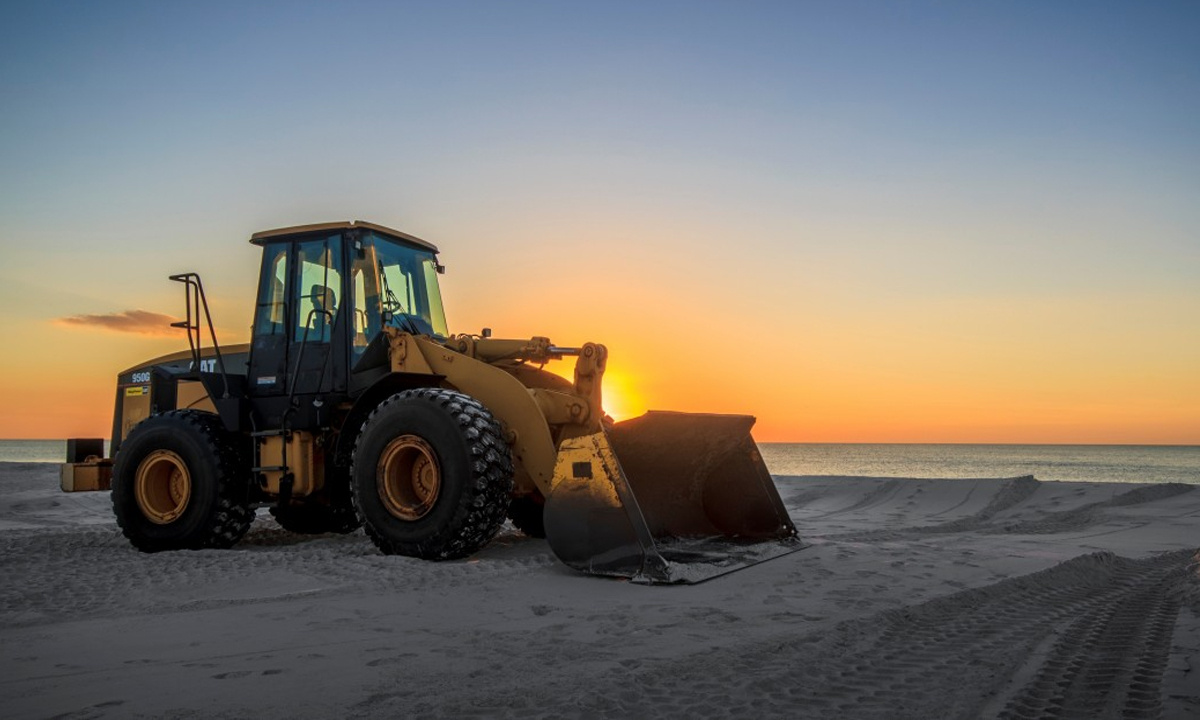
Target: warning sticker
pixel 137 391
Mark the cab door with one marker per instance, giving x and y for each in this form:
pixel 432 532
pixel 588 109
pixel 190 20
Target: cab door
pixel 272 322
pixel 317 348
pixel 299 348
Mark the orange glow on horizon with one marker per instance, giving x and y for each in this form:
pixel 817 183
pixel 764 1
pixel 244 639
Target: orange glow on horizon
pixel 839 391
pixel 1089 371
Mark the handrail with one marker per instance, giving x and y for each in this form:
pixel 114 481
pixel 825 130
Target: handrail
pixel 196 302
pixel 293 381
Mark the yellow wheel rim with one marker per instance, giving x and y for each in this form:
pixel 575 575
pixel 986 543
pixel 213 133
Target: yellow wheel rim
pixel 408 477
pixel 163 486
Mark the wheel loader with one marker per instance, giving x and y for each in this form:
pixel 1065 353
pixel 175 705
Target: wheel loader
pixel 354 406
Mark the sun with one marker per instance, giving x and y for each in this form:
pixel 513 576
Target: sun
pixel 620 397
pixel 618 393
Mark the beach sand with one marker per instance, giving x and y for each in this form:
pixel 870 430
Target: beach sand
pixel 916 598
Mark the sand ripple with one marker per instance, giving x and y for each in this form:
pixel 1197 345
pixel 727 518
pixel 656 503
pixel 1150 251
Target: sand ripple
pixel 976 598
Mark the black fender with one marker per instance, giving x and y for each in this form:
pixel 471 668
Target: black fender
pixel 380 390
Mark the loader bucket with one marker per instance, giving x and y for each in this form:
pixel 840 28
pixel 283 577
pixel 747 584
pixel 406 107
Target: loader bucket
pixel 666 498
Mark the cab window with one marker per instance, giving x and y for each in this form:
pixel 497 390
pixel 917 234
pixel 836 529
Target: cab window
pixel 318 283
pixel 272 307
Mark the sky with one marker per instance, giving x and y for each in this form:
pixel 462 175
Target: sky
pixel 857 221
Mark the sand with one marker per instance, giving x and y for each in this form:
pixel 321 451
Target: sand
pixel 1008 598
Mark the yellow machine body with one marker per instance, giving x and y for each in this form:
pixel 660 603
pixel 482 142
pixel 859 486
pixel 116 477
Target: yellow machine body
pixel 664 498
pixel 299 453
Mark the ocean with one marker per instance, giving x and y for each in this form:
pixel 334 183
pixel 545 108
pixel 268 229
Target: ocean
pixel 35 450
pixel 1090 463
pixel 1085 463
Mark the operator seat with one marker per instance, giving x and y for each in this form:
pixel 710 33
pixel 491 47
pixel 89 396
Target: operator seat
pixel 324 301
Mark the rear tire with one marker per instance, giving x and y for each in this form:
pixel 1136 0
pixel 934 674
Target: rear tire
pixel 180 484
pixel 315 517
pixel 526 515
pixel 432 475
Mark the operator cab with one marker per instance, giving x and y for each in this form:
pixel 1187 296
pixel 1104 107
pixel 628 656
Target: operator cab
pixel 325 293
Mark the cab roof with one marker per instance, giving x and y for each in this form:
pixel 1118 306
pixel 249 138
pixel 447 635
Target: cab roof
pixel 260 238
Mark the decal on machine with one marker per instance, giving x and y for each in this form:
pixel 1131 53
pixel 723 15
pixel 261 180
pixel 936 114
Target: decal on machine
pixel 137 391
pixel 266 380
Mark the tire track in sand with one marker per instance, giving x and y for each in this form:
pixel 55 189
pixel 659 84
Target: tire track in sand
pixel 1107 663
pixel 1092 513
pixel 875 496
pixel 1108 609
pixel 984 650
pixel 1011 493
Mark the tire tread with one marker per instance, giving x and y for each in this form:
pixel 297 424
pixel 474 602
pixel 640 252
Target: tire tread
pixel 232 515
pixel 482 506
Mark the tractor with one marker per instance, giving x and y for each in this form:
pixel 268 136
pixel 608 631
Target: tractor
pixel 353 405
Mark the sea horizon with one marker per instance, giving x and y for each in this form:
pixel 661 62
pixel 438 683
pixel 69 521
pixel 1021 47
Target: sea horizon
pixel 843 442
pixel 1079 462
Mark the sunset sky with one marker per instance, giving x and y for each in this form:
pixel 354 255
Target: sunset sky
pixel 858 221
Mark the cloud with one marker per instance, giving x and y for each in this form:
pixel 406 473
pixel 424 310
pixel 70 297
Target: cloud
pixel 139 322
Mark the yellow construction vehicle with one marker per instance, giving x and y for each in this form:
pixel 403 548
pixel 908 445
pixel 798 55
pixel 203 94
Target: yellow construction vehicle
pixel 353 405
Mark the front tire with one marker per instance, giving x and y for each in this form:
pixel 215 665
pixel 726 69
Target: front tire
pixel 432 475
pixel 180 484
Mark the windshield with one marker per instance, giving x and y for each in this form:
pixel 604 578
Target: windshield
pixel 395 284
